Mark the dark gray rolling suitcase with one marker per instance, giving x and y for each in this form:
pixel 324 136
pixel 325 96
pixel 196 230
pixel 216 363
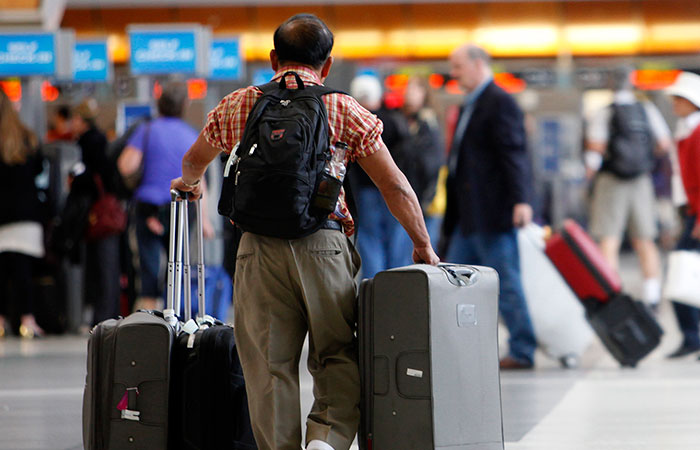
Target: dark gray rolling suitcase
pixel 429 359
pixel 126 398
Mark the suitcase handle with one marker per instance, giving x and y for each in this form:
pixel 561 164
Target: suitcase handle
pixel 460 275
pixel 179 259
pixel 174 262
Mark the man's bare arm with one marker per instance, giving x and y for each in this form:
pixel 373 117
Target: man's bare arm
pixel 401 200
pixel 194 164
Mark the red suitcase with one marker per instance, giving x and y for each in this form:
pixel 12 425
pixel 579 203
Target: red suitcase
pixel 625 326
pixel 582 265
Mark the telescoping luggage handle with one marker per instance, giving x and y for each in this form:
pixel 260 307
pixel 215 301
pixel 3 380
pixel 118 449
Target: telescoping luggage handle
pixel 179 260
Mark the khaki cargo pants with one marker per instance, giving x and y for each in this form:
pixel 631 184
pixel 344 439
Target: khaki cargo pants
pixel 284 289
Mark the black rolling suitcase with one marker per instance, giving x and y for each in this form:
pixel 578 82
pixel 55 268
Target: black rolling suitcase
pixel 208 402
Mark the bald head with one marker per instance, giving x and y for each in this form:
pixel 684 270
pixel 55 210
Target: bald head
pixel 469 65
pixel 305 39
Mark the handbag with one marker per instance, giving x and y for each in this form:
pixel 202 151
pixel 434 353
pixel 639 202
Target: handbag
pixel 683 278
pixel 107 215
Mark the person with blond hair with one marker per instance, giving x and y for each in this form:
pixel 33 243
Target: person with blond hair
pixel 21 233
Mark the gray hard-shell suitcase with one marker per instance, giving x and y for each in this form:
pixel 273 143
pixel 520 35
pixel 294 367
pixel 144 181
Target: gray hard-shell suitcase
pixel 126 398
pixel 429 359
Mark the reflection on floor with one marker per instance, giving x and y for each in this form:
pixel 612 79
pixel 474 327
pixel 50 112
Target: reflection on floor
pixel 597 406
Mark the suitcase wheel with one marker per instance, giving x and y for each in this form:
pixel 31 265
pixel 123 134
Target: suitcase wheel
pixel 568 362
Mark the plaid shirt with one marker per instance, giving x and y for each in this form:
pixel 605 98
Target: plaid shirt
pixel 349 122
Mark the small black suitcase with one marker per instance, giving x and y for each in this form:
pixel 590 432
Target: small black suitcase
pixel 626 327
pixel 208 401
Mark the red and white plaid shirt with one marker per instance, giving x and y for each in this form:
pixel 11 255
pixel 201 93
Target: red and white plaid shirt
pixel 349 122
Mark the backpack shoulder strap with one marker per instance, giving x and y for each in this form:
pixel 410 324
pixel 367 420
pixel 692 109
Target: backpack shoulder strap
pixel 321 90
pixel 268 87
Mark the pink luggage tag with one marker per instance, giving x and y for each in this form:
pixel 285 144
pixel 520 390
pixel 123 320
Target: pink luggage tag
pixel 123 404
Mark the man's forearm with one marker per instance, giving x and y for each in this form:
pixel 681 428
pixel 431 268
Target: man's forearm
pixel 196 160
pixel 191 172
pixel 404 206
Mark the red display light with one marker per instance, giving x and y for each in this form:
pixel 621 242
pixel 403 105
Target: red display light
pixel 654 80
pixel 49 92
pixel 436 81
pixel 509 82
pixel 197 88
pixel 157 90
pixel 13 89
pixel 396 82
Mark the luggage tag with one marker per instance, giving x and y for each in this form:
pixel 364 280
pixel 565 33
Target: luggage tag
pixel 190 328
pixel 123 405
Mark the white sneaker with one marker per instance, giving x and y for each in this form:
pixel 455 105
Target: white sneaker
pixel 651 291
pixel 318 445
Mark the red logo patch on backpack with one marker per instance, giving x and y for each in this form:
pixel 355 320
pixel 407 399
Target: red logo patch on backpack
pixel 277 135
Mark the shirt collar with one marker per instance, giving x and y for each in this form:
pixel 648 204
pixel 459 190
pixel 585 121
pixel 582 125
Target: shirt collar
pixel 307 75
pixel 473 96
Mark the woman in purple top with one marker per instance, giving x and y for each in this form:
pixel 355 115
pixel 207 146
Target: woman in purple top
pixel 159 145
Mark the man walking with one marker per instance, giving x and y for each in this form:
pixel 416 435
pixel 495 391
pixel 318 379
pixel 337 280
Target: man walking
pixel 487 192
pixel 285 288
pixel 622 140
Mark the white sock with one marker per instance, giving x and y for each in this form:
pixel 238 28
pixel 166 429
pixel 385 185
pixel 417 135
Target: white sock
pixel 651 291
pixel 318 445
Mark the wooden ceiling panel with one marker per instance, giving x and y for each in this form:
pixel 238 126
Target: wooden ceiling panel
pixel 523 12
pixel 438 15
pixel 599 12
pixel 19 4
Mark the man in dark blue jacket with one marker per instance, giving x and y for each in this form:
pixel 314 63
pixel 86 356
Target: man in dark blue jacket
pixel 487 192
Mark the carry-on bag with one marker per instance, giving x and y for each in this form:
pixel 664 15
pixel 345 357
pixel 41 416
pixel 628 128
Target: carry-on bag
pixel 126 398
pixel 558 317
pixel 625 326
pixel 208 402
pixel 429 359
pixel 683 277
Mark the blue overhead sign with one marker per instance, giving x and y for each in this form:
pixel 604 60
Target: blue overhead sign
pixel 90 62
pixel 226 62
pixel 25 54
pixel 164 51
pixel 130 113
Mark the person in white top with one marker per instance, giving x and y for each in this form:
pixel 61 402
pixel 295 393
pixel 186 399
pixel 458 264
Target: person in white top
pixel 621 143
pixel 685 94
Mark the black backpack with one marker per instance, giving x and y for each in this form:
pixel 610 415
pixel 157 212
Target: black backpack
pixel 271 178
pixel 630 150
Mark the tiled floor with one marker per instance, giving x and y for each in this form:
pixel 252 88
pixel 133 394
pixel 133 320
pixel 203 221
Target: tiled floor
pixel 595 407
